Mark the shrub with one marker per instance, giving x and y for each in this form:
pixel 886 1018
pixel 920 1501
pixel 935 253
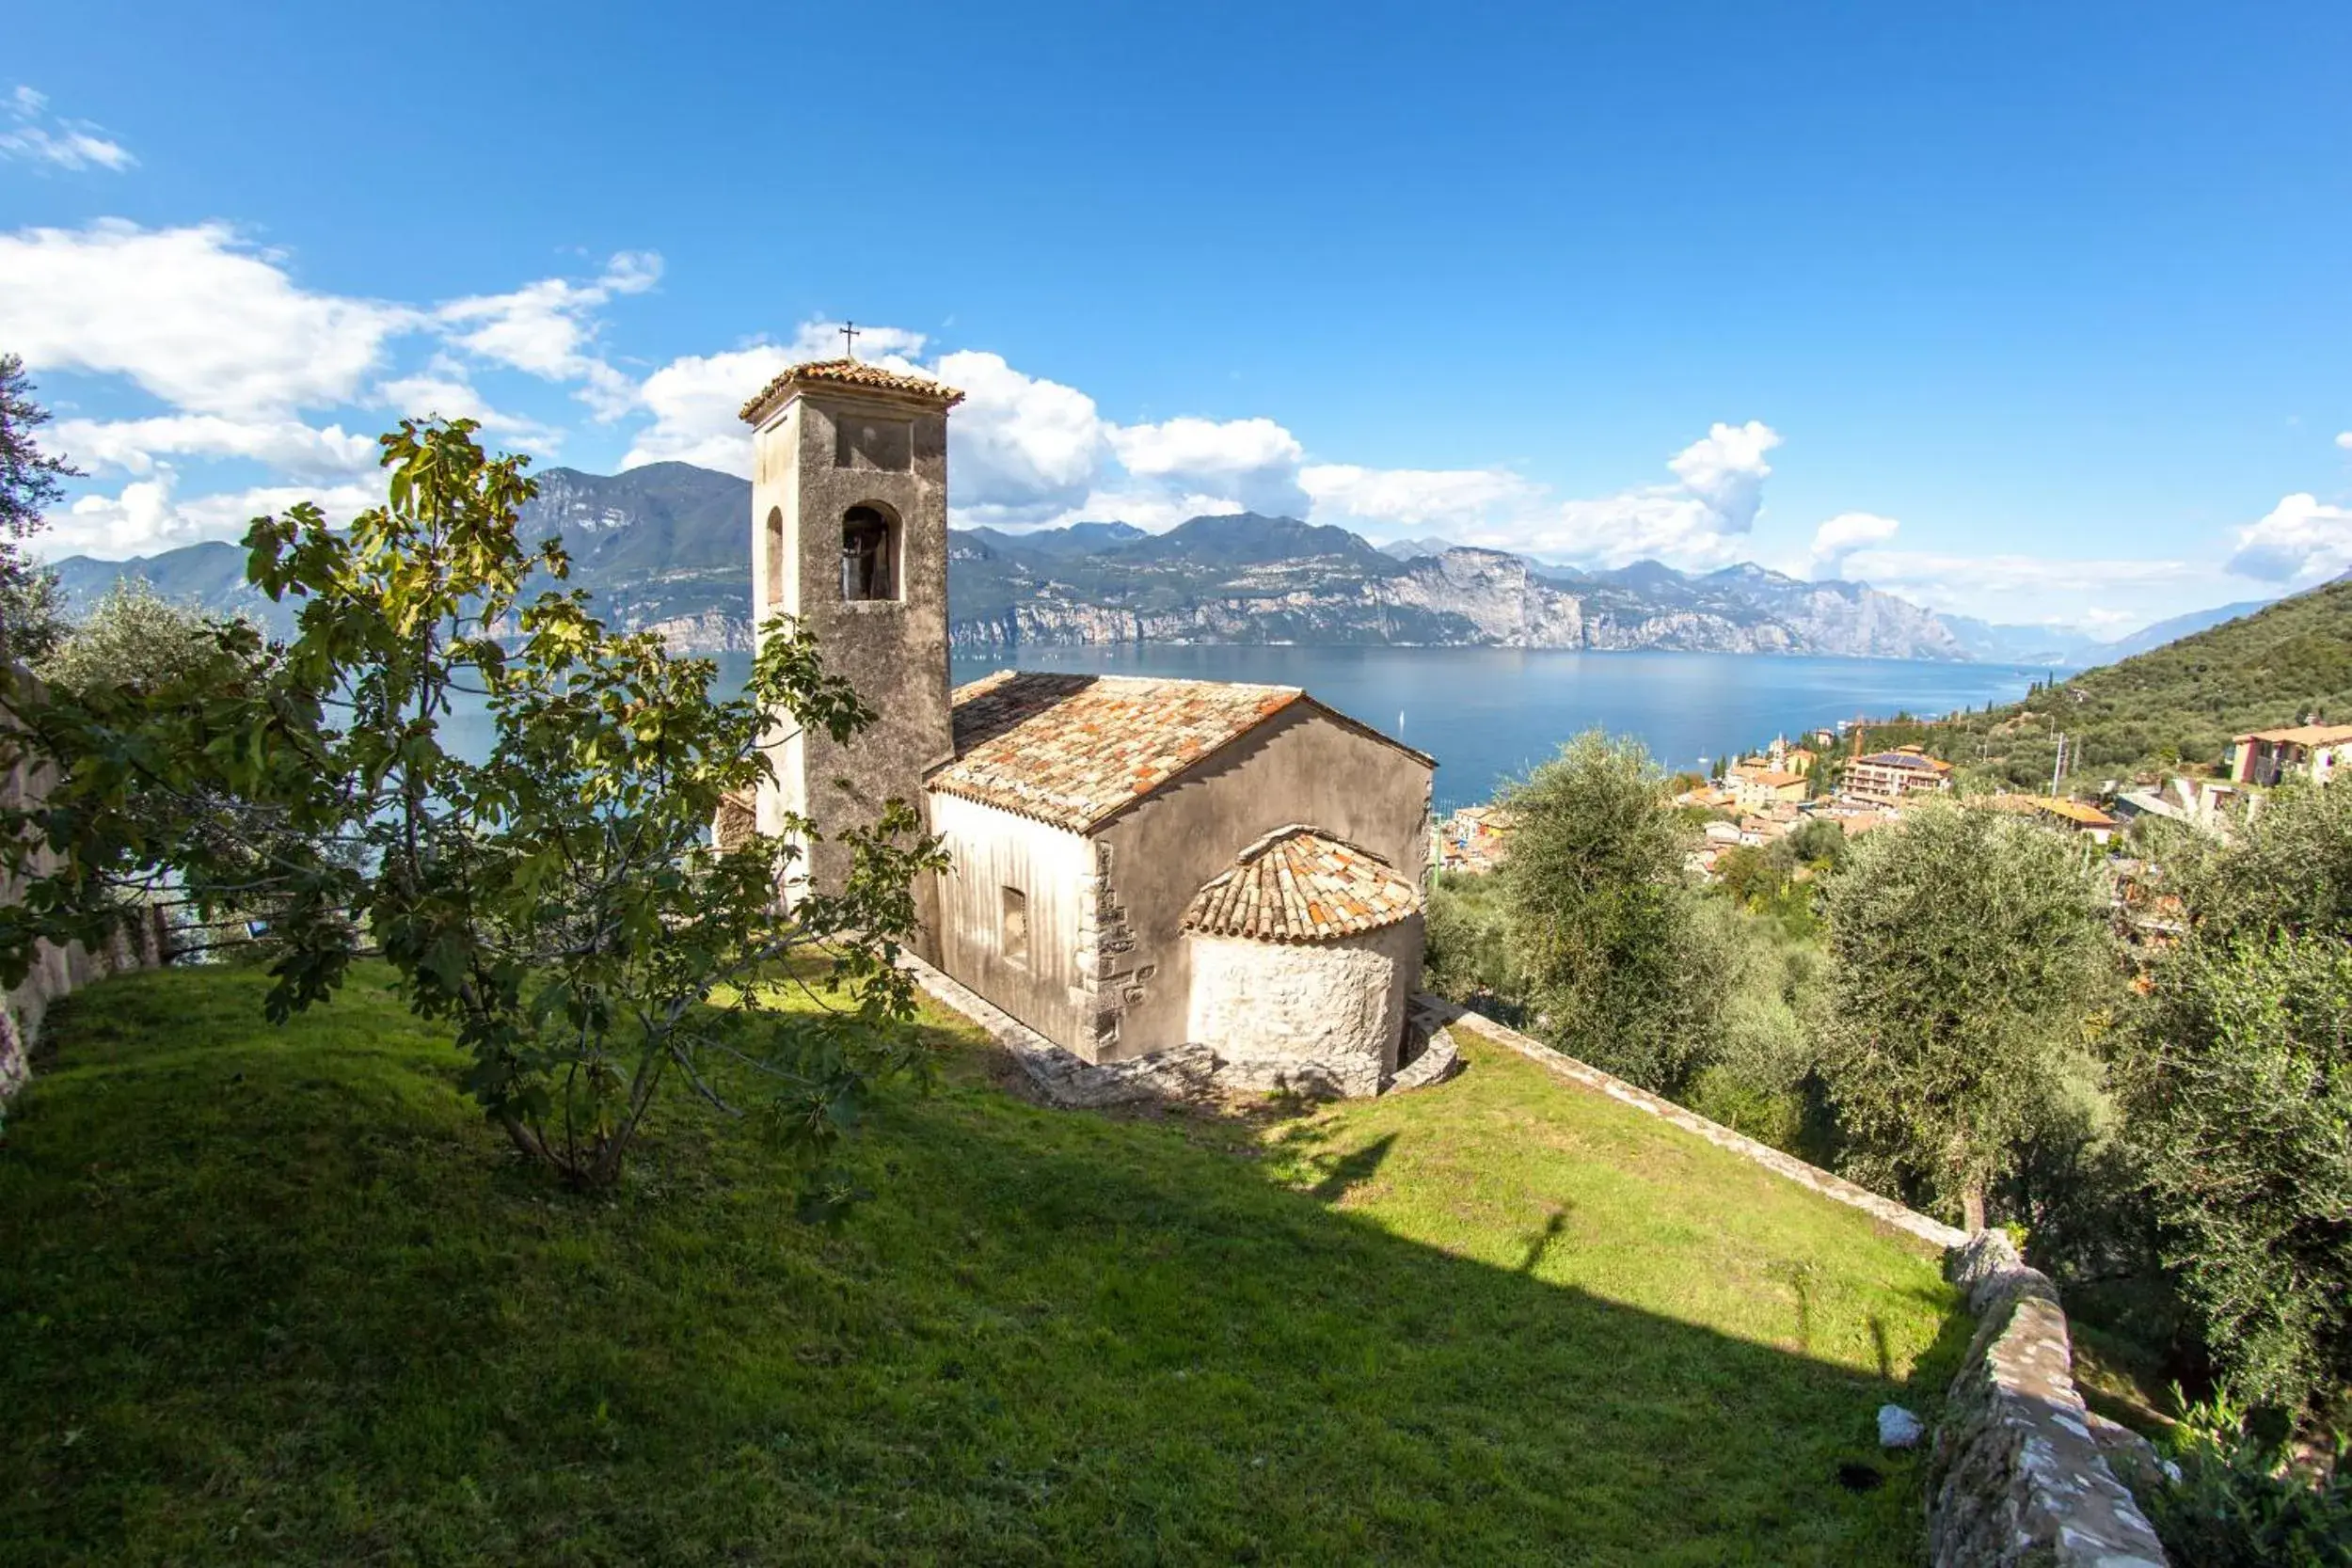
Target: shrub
pixel 2236 1503
pixel 1470 955
pixel 135 636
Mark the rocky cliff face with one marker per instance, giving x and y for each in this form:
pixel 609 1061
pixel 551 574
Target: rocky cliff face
pixel 1477 599
pixel 710 632
pixel 1496 594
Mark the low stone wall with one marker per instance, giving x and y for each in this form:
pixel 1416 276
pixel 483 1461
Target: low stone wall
pixel 2023 1471
pixel 56 971
pixel 59 971
pixel 1435 1065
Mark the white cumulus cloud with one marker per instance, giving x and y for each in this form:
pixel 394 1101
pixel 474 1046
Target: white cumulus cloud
pixel 35 135
pixel 1255 462
pixel 148 515
pixel 2300 538
pixel 548 328
pixel 215 327
pixel 134 446
pixel 195 316
pixel 696 401
pixel 1462 503
pixel 1022 448
pixel 1696 521
pixel 1842 535
pixel 443 390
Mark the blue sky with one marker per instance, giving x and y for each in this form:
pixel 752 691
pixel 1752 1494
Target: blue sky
pixel 2036 312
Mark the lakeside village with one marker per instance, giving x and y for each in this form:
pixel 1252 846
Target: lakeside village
pixel 1831 775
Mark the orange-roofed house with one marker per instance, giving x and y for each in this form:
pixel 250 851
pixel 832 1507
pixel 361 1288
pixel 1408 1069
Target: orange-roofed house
pixel 2077 816
pixel 1752 786
pixel 2312 752
pixel 1138 864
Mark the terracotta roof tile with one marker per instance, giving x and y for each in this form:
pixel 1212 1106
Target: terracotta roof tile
pixel 1071 750
pixel 848 372
pixel 1299 885
pixel 2076 812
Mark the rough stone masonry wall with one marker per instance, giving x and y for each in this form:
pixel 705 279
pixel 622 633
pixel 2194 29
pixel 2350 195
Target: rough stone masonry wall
pixel 56 971
pixel 2023 1473
pixel 1323 1012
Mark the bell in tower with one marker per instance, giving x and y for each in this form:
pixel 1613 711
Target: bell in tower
pixel 849 537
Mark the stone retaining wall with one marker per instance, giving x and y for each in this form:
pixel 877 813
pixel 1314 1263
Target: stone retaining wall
pixel 2023 1472
pixel 56 971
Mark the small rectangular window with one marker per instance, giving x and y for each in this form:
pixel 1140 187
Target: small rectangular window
pixel 1014 936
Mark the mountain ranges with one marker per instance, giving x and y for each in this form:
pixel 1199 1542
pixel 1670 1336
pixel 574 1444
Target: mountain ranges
pixel 667 548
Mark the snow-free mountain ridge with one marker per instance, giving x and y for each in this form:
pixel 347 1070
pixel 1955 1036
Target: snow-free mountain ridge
pixel 665 547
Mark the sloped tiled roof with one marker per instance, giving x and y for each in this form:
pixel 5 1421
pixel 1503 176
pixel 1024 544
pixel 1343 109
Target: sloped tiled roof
pixel 849 373
pixel 1071 750
pixel 2076 812
pixel 1298 885
pixel 2304 735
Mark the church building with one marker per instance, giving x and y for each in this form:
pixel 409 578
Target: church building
pixel 1138 863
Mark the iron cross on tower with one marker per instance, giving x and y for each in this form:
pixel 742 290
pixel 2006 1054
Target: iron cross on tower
pixel 850 335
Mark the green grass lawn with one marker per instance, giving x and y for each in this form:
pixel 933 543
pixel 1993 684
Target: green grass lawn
pixel 280 1295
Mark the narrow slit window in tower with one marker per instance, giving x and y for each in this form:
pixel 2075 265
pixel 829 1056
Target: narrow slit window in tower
pixel 868 555
pixel 775 558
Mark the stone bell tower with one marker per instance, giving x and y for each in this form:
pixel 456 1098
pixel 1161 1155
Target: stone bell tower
pixel 849 536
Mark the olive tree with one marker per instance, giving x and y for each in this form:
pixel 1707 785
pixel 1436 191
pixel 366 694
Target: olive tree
pixel 2238 1090
pixel 561 902
pixel 1618 966
pixel 1971 967
pixel 132 637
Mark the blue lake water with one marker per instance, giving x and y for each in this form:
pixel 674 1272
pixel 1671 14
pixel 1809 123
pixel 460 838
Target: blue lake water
pixel 1488 713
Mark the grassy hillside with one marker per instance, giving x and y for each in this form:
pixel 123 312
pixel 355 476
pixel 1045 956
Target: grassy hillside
pixel 277 1296
pixel 2179 704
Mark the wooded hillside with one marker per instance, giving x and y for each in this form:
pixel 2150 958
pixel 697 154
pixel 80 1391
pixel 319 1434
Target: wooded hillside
pixel 2179 704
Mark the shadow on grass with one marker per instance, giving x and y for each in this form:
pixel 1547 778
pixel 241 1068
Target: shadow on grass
pixel 1350 1171
pixel 1539 1246
pixel 278 1295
